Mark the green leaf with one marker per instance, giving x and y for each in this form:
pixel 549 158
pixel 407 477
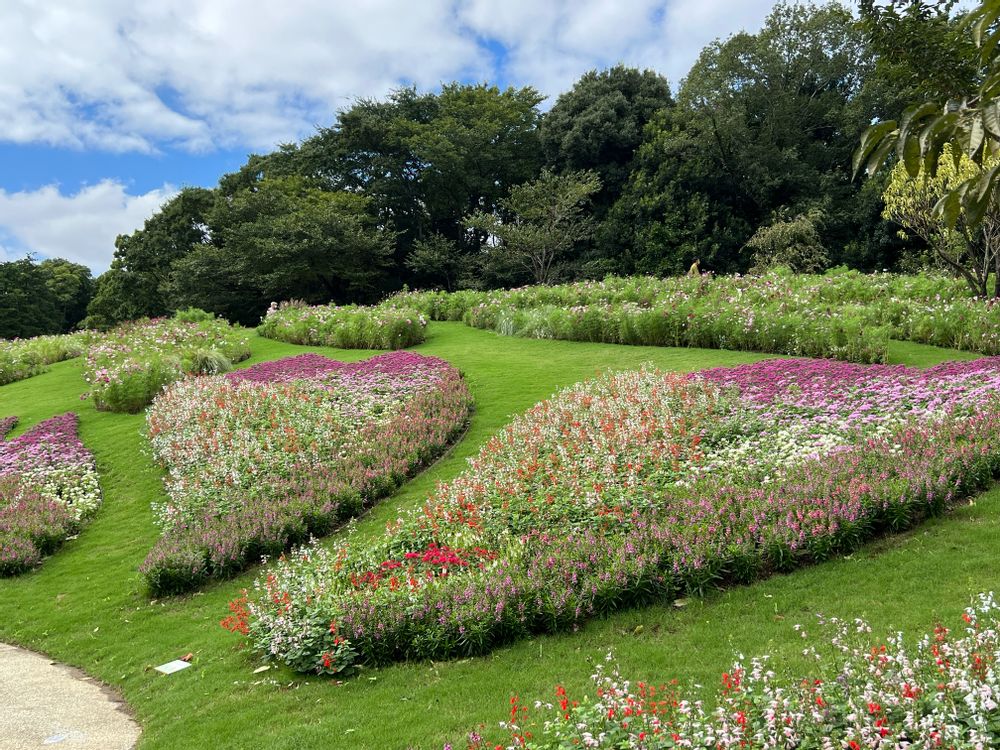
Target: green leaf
pixel 878 156
pixel 976 135
pixel 991 118
pixel 949 207
pixel 908 147
pixel 911 156
pixel 870 141
pixel 934 134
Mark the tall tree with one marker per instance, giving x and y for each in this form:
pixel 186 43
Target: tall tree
pixel 598 124
pixel 540 222
pixel 28 307
pixel 282 239
pixel 423 160
pixel 762 121
pixel 73 287
pixel 138 282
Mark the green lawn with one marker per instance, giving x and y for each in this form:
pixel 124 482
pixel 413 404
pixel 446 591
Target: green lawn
pixel 86 605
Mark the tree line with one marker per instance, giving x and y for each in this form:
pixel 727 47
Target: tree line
pixel 749 163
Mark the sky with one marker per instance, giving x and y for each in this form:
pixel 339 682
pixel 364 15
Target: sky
pixel 108 107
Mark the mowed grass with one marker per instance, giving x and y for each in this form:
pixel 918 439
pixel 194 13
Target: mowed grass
pixel 86 605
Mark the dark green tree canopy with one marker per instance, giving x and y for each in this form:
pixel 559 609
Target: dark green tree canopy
pixel 28 306
pixel 282 238
pixel 73 287
pixel 598 124
pixel 762 121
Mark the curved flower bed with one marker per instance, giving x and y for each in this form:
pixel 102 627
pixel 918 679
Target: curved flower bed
pixel 347 327
pixel 25 358
pixel 941 692
pixel 634 487
pixel 48 489
pixel 263 458
pixel 134 362
pixel 840 315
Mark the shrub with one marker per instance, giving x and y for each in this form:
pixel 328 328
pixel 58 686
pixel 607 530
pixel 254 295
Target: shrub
pixel 134 362
pixel 350 327
pixel 25 358
pixel 841 315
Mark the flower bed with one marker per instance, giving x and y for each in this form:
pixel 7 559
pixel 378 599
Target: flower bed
pixel 941 692
pixel 636 487
pixel 266 457
pixel 846 316
pixel 135 361
pixel 48 489
pixel 25 358
pixel 349 327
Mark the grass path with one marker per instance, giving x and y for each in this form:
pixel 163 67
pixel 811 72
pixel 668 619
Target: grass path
pixel 86 606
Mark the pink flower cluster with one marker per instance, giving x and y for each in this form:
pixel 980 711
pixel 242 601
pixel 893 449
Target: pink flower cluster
pixel 637 487
pixel 267 457
pixel 300 367
pixel 48 488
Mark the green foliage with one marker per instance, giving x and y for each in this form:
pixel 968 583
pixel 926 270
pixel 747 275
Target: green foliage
pixel 425 161
pixel 967 122
pixel 24 358
pixel 350 327
pixel 598 124
pixel 790 242
pixel 28 305
pixel 439 260
pixel 540 222
pixel 128 366
pixel 193 315
pixel 970 251
pixel 762 121
pixel 138 284
pixel 842 315
pixel 921 48
pixel 73 287
pixel 283 238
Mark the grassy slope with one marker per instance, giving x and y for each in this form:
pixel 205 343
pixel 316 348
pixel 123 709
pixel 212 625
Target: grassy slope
pixel 86 606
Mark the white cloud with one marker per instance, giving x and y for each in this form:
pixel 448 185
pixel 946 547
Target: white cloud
pixel 80 227
pixel 122 75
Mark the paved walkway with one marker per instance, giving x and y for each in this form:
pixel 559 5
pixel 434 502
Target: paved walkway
pixel 43 704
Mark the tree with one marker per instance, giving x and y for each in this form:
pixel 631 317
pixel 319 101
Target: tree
pixel 540 221
pixel 921 49
pixel 138 282
pixel 283 239
pixel 968 250
pixel 598 124
pixel 423 160
pixel 762 121
pixel 72 285
pixel 28 307
pixel 967 123
pixel 791 242
pixel 438 259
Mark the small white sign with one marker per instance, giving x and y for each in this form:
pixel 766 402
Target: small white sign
pixel 173 666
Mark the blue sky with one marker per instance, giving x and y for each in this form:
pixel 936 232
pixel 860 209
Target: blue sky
pixel 108 107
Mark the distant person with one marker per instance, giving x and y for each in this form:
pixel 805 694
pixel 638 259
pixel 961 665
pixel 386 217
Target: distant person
pixel 695 269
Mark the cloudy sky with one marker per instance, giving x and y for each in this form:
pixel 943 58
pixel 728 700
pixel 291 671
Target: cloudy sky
pixel 107 106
